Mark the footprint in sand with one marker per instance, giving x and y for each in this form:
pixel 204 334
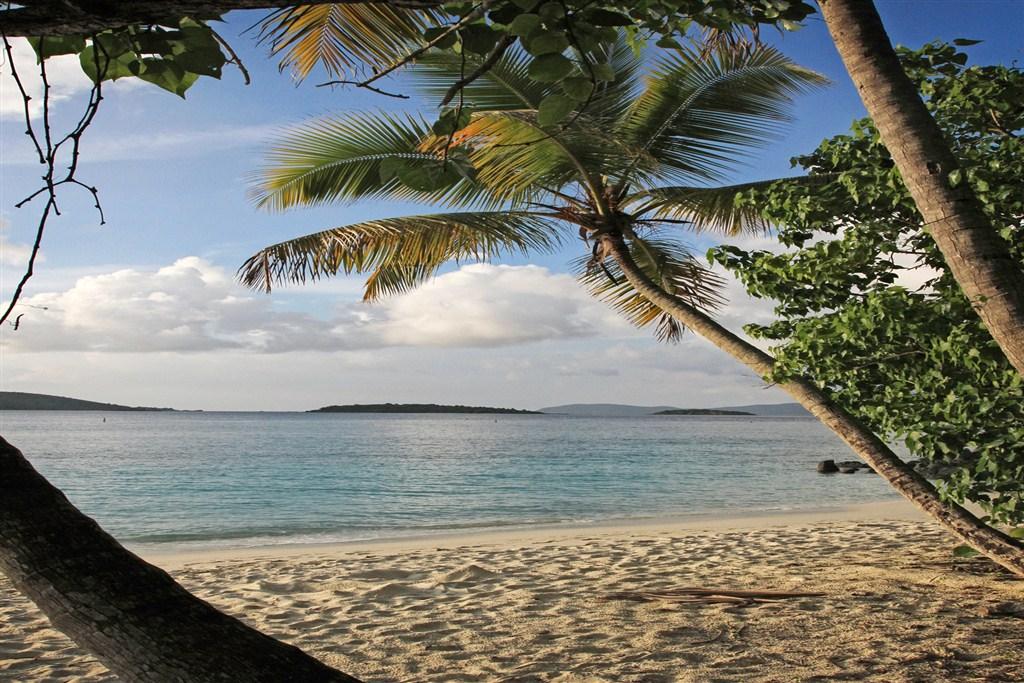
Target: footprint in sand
pixel 392 591
pixel 469 574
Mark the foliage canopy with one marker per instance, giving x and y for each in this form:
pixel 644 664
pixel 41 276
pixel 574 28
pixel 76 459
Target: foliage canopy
pixel 866 303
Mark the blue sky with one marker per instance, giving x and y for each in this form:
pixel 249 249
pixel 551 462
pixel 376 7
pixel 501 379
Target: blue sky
pixel 173 178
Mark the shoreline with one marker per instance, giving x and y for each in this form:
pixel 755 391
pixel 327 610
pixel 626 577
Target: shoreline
pixel 894 510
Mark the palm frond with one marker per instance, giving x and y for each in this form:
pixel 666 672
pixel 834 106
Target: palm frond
pixel 516 158
pixel 399 253
pixel 720 209
pixel 699 114
pixel 505 86
pixel 342 158
pixel 613 99
pixel 668 263
pixel 344 37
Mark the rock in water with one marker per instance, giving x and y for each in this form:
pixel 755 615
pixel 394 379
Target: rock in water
pixel 827 467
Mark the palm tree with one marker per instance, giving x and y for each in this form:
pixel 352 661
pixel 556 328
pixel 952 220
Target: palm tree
pixel 516 183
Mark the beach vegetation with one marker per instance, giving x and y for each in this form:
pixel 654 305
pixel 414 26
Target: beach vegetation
pixel 867 304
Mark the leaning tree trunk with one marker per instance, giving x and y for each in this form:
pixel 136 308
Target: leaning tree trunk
pixel 131 615
pixel 978 257
pixel 996 545
pixel 83 17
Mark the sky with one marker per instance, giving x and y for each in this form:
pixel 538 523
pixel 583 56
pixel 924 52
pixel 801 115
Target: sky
pixel 145 310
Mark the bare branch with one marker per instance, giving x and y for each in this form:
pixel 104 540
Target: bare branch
pixel 363 84
pixel 48 157
pixel 502 46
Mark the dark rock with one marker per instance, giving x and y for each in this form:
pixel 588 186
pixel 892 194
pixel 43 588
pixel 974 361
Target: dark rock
pixel 849 470
pixel 827 467
pixel 854 464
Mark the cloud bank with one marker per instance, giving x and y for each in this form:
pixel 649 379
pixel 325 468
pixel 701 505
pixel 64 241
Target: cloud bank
pixel 193 305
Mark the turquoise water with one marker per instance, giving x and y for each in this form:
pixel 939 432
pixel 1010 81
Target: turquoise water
pixel 246 479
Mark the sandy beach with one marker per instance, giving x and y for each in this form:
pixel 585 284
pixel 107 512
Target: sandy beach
pixel 548 605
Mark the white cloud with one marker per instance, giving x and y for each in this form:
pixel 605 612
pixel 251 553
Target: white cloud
pixel 64 75
pixel 13 254
pixel 186 335
pixel 489 305
pixel 193 305
pixel 178 143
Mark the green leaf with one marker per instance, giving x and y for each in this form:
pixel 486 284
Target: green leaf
pixel 479 38
pixel 122 66
pixel 550 68
pixel 965 551
pixel 57 45
pixel 577 87
pixel 965 42
pixel 168 75
pixel 547 42
pixel 955 176
pixel 435 32
pixel 551 11
pixel 451 120
pixel 1016 533
pixel 427 176
pixel 554 109
pixel 603 72
pixel 603 17
pixel 524 25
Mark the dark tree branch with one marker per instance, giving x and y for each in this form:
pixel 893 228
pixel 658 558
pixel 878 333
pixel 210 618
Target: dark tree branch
pixel 84 17
pixel 364 84
pixel 504 43
pixel 49 152
pixel 477 12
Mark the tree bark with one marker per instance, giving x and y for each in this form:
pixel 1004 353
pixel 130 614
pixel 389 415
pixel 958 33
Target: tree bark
pixel 59 17
pixel 978 257
pixel 131 615
pixel 991 542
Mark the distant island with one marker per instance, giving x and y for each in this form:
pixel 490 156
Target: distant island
pixel 621 410
pixel 18 400
pixel 419 408
pixel 701 411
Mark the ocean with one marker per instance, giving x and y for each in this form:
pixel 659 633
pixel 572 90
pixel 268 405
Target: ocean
pixel 204 480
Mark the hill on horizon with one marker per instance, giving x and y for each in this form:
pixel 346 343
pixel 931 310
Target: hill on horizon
pixel 605 410
pixel 625 410
pixel 20 400
pixel 772 409
pixel 418 408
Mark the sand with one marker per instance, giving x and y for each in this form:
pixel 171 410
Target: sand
pixel 540 605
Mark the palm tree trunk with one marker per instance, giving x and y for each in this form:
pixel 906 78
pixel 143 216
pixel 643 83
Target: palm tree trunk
pixel 960 522
pixel 978 257
pixel 131 615
pixel 59 17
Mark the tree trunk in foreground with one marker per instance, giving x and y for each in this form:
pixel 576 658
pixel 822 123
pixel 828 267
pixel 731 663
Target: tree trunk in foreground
pixel 978 257
pixel 131 615
pixel 991 542
pixel 82 17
